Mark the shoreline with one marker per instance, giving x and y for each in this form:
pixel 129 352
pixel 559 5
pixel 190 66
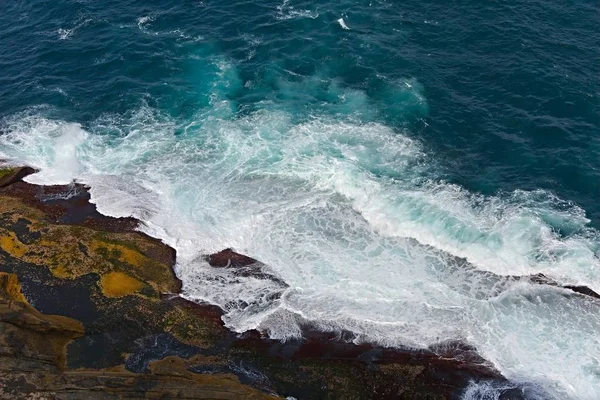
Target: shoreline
pixel 320 365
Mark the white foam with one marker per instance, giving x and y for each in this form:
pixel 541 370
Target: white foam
pixel 351 217
pixel 144 20
pixel 343 24
pixel 49 145
pixel 66 33
pixel 63 34
pixel 286 11
pixel 486 390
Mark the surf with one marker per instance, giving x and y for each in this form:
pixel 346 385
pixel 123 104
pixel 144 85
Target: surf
pixel 324 152
pixel 350 216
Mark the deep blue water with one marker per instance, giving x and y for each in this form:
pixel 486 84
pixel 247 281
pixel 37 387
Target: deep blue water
pixel 471 127
pixel 512 87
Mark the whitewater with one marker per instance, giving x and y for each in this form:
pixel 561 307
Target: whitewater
pixel 318 139
pixel 351 216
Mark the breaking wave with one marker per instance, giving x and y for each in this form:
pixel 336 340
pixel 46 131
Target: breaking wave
pixel 351 213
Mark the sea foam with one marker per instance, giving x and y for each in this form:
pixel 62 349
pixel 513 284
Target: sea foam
pixel 343 24
pixel 351 216
pixel 287 11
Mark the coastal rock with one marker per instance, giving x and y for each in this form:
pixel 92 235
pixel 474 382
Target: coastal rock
pixel 542 279
pixel 583 290
pixel 243 265
pixel 229 258
pixel 33 356
pixel 10 175
pixel 26 335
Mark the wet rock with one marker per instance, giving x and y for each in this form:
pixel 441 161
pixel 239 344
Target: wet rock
pixel 583 290
pixel 229 258
pixel 68 204
pixel 28 337
pixel 33 363
pixel 10 175
pixel 157 347
pixel 544 280
pixel 244 266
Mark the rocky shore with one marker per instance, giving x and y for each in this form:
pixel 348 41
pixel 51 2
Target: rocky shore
pixel 89 309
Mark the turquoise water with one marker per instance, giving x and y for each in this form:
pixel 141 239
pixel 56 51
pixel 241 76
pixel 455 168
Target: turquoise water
pixel 359 149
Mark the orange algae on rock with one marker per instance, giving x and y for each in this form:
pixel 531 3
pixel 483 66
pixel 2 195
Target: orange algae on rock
pixel 120 253
pixel 10 288
pixel 118 284
pixel 12 245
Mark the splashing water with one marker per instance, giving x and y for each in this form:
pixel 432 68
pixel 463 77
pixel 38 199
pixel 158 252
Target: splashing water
pixel 349 216
pixel 309 160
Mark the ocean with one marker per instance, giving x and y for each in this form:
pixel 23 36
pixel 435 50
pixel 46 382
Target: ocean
pixel 391 161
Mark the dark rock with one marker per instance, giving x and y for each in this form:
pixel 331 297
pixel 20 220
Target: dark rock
pixel 544 280
pixel 24 234
pixel 157 347
pixel 583 290
pixel 68 204
pixel 244 266
pixel 229 258
pixel 540 279
pixel 8 176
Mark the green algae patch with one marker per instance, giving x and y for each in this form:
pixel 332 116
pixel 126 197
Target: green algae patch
pixel 119 253
pixel 117 284
pixel 188 327
pixel 10 175
pixel 130 253
pixel 5 171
